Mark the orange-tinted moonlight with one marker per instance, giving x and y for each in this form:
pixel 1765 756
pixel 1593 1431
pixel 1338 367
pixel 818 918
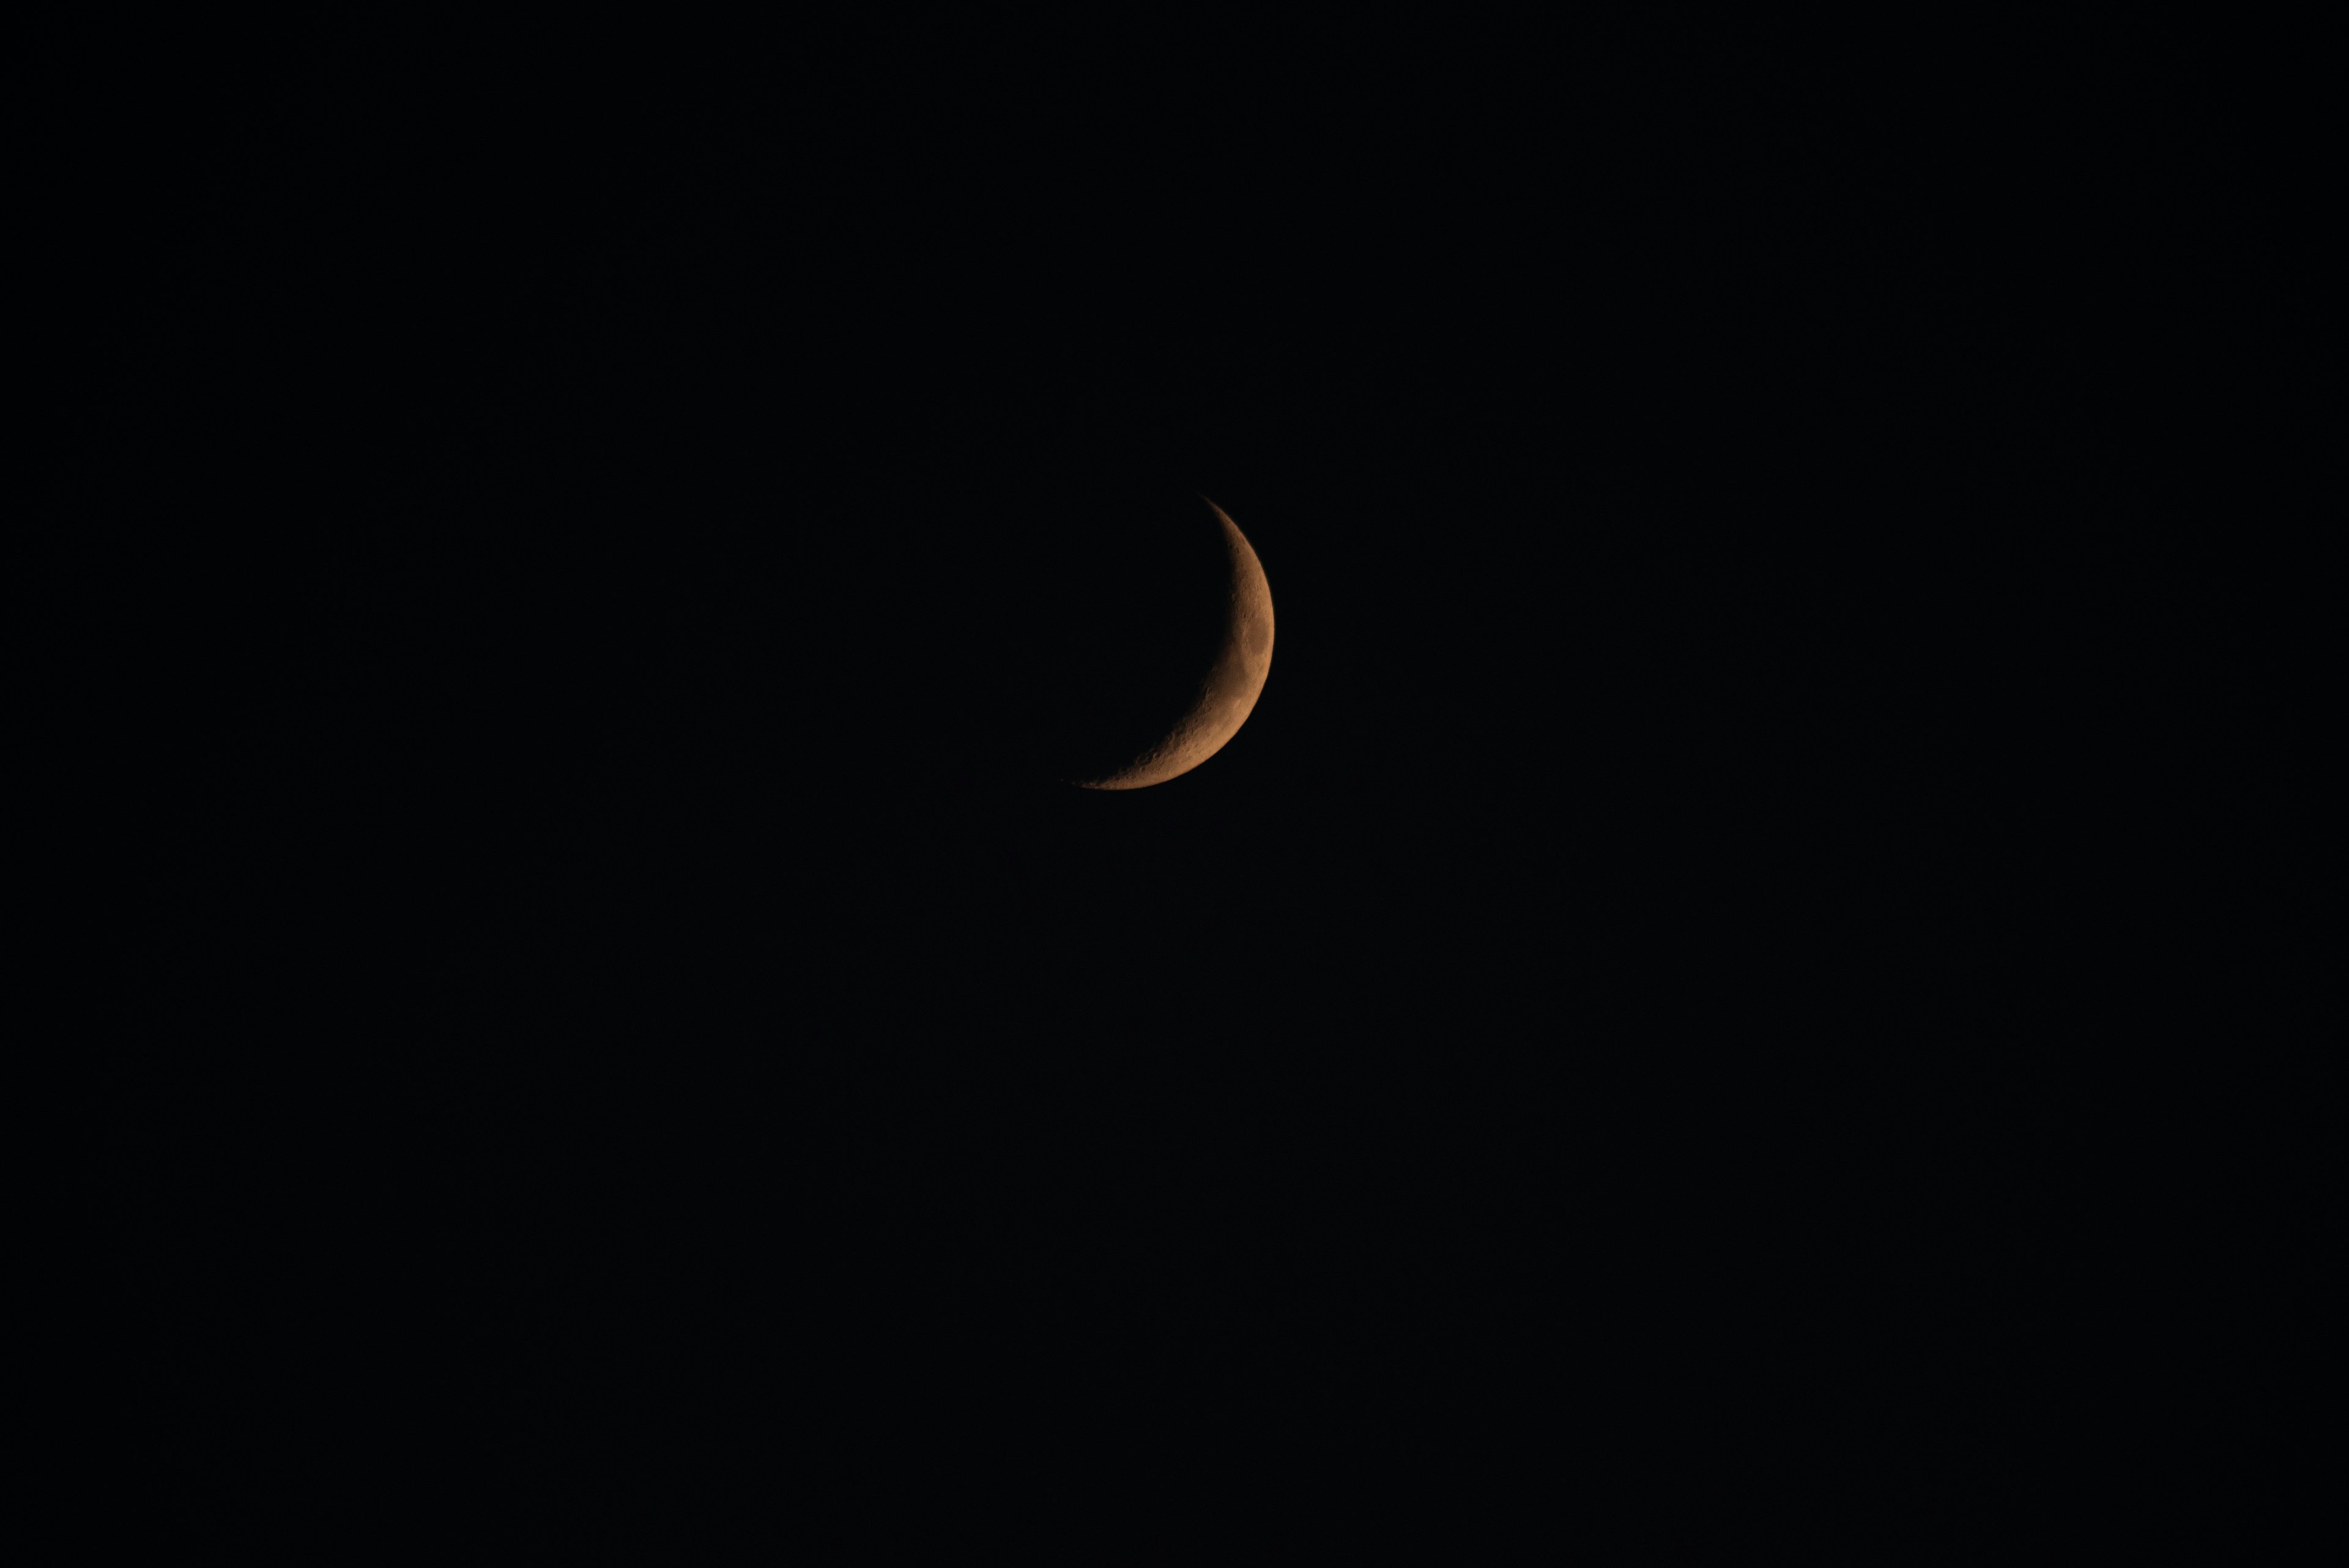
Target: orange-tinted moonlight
pixel 1229 690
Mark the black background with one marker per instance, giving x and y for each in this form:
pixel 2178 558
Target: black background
pixel 553 561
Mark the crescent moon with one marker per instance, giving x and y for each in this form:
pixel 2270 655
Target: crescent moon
pixel 1228 691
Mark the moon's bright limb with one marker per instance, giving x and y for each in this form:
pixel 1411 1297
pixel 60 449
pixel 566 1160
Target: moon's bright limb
pixel 1229 690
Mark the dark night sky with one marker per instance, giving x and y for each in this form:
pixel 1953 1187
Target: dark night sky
pixel 1722 492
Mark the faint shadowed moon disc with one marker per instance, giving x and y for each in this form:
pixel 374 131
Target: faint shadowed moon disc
pixel 1226 693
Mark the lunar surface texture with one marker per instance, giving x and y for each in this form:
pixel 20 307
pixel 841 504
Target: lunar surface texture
pixel 1226 691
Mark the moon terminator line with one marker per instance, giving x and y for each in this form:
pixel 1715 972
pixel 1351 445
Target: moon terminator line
pixel 1229 690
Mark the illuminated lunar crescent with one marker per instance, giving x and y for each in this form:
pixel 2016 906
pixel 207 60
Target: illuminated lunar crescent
pixel 1229 690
